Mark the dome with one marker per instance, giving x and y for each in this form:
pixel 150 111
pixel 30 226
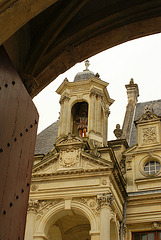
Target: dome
pixel 85 75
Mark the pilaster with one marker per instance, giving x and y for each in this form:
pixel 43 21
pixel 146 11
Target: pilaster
pixel 65 118
pixel 99 122
pixel 92 111
pixel 105 201
pixel 31 219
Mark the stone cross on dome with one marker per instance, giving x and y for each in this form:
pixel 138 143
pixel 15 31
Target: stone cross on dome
pixel 87 65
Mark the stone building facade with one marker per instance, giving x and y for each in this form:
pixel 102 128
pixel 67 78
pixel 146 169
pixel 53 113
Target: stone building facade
pixel 85 187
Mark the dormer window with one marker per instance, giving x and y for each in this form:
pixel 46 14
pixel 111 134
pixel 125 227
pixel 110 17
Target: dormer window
pixel 152 167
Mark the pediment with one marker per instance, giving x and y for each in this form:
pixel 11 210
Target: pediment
pixel 147 116
pixel 68 139
pixel 94 162
pixel 48 164
pixel 70 161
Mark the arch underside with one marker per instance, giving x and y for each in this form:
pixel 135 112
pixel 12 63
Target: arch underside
pixel 45 38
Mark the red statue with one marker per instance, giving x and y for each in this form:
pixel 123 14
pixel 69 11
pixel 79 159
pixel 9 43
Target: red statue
pixel 82 122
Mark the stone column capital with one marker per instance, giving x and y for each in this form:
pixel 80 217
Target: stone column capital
pixel 64 98
pixel 93 93
pixel 33 205
pixel 105 199
pixel 107 112
pixel 99 96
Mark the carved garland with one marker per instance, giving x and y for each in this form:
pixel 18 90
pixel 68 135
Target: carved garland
pixel 91 202
pixel 44 206
pixel 33 205
pixel 95 203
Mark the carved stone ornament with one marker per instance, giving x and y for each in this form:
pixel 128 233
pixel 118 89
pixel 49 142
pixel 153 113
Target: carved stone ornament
pixel 68 139
pixel 95 144
pixel 149 135
pixel 129 163
pixel 33 205
pixel 122 165
pixel 96 93
pixel 69 157
pixel 117 131
pixel 155 225
pixel 33 187
pixel 107 112
pixel 91 202
pixel 105 199
pixel 147 116
pixel 104 181
pixel 44 206
pixel 80 89
pixel 64 97
pixel 95 152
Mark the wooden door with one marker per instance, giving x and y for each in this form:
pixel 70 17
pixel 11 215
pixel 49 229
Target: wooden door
pixel 18 128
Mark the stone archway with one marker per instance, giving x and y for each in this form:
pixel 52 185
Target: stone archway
pixel 79 222
pixel 70 227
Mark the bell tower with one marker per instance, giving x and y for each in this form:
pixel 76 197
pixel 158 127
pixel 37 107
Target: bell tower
pixel 85 106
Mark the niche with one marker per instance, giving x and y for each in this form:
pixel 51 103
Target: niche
pixel 80 119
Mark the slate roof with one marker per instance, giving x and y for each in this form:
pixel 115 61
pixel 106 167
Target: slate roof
pixel 46 139
pixel 83 76
pixel 139 110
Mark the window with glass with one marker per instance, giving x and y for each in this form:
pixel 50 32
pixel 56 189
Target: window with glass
pixel 152 167
pixel 147 236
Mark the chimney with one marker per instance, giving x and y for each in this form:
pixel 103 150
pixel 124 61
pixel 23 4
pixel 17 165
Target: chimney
pixel 132 94
pixel 132 91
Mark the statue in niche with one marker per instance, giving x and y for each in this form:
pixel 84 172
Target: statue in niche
pixel 80 118
pixel 82 122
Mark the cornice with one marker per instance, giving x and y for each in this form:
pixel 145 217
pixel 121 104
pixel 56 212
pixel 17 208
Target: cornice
pixel 47 161
pixel 97 160
pixel 144 198
pixel 121 182
pixel 69 172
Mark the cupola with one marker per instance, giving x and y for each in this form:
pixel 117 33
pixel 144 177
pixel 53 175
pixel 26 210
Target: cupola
pixel 85 106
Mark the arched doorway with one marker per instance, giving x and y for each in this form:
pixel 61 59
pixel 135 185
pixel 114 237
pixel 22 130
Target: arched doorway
pixel 75 227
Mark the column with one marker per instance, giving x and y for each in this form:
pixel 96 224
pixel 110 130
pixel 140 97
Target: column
pixel 99 125
pixel 66 119
pixel 31 219
pixel 105 128
pixel 92 111
pixel 105 201
pixel 61 117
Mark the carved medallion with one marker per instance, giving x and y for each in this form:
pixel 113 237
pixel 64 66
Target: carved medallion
pixel 69 157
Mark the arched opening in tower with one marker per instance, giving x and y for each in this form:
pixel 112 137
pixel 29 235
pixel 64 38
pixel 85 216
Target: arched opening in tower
pixel 80 119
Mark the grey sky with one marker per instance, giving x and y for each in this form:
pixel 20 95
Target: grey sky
pixel 139 59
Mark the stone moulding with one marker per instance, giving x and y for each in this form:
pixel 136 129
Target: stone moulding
pixel 45 163
pixel 71 171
